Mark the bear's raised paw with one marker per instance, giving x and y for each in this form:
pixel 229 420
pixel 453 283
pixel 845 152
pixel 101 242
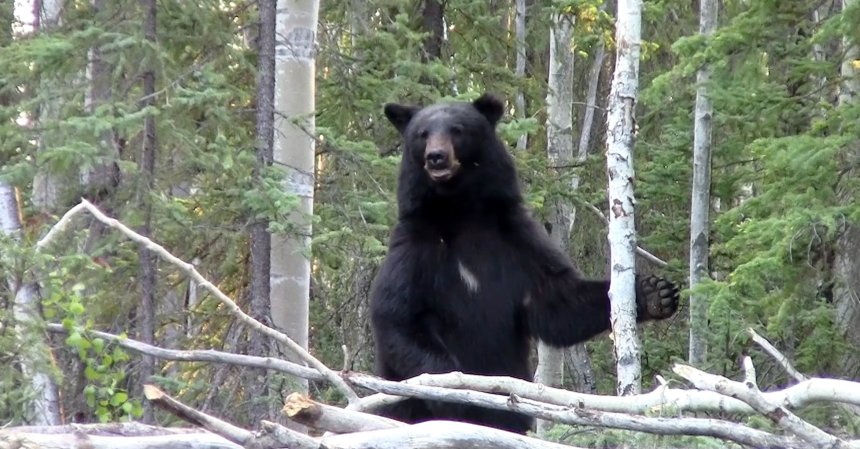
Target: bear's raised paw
pixel 656 297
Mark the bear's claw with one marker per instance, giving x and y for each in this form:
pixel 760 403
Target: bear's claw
pixel 657 297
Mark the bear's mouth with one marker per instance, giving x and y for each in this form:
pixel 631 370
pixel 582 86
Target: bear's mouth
pixel 442 174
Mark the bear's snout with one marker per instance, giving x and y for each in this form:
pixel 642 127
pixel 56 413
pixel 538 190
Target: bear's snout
pixel 440 161
pixel 436 159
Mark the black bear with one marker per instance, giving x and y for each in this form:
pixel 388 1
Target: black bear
pixel 470 276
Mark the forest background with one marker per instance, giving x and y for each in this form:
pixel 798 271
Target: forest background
pixel 160 133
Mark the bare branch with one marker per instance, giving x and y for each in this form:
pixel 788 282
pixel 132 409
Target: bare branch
pixel 749 374
pixel 129 435
pixel 303 410
pixel 276 435
pixel 814 390
pixel 374 401
pixel 210 423
pixel 797 375
pixel 639 250
pixel 749 393
pixel 795 397
pixel 778 356
pixel 60 226
pixel 438 435
pixel 203 355
pixel 192 272
pixel 579 416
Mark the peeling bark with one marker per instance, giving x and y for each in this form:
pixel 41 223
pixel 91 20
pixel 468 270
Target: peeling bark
pixel 622 229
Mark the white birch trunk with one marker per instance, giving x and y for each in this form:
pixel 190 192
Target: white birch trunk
pixel 559 137
pixel 846 291
pixel 581 371
pixel 622 227
pixel 559 126
pixel 700 204
pixel 520 68
pixel 33 350
pixel 294 151
pixel 549 372
pixel 10 223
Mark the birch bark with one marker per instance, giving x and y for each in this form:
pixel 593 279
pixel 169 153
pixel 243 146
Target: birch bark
pixel 701 196
pixel 34 354
pixel 620 138
pixel 296 23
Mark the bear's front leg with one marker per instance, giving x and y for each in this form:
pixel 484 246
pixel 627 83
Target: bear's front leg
pixel 656 298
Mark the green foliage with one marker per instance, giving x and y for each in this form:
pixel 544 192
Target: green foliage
pixel 782 151
pixel 104 392
pixel 103 365
pixel 778 147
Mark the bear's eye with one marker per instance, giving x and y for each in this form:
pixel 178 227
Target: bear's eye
pixel 423 134
pixel 456 130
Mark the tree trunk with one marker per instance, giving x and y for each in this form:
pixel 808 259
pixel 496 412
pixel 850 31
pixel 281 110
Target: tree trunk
pixel 146 308
pixel 559 137
pixel 701 198
pixel 433 22
pixel 620 125
pixel 358 22
pixel 820 14
pixel 101 178
pixel 850 86
pixel 520 68
pixel 34 353
pixel 591 100
pixel 47 185
pixel 846 291
pixel 294 150
pixel 580 370
pixel 260 239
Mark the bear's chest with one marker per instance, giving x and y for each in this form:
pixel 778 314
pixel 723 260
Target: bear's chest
pixel 476 270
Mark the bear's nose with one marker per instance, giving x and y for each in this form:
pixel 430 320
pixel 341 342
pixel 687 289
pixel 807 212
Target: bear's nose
pixel 436 159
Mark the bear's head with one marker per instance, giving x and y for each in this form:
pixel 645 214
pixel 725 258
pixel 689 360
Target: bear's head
pixel 453 161
pixel 446 138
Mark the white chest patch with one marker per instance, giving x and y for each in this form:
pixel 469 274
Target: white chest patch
pixel 468 278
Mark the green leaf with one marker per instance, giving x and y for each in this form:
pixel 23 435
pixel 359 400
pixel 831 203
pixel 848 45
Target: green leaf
pixel 118 398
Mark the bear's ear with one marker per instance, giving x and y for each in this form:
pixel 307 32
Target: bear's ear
pixel 490 107
pixel 399 115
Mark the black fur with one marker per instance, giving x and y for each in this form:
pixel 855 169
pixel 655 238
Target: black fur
pixel 426 317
